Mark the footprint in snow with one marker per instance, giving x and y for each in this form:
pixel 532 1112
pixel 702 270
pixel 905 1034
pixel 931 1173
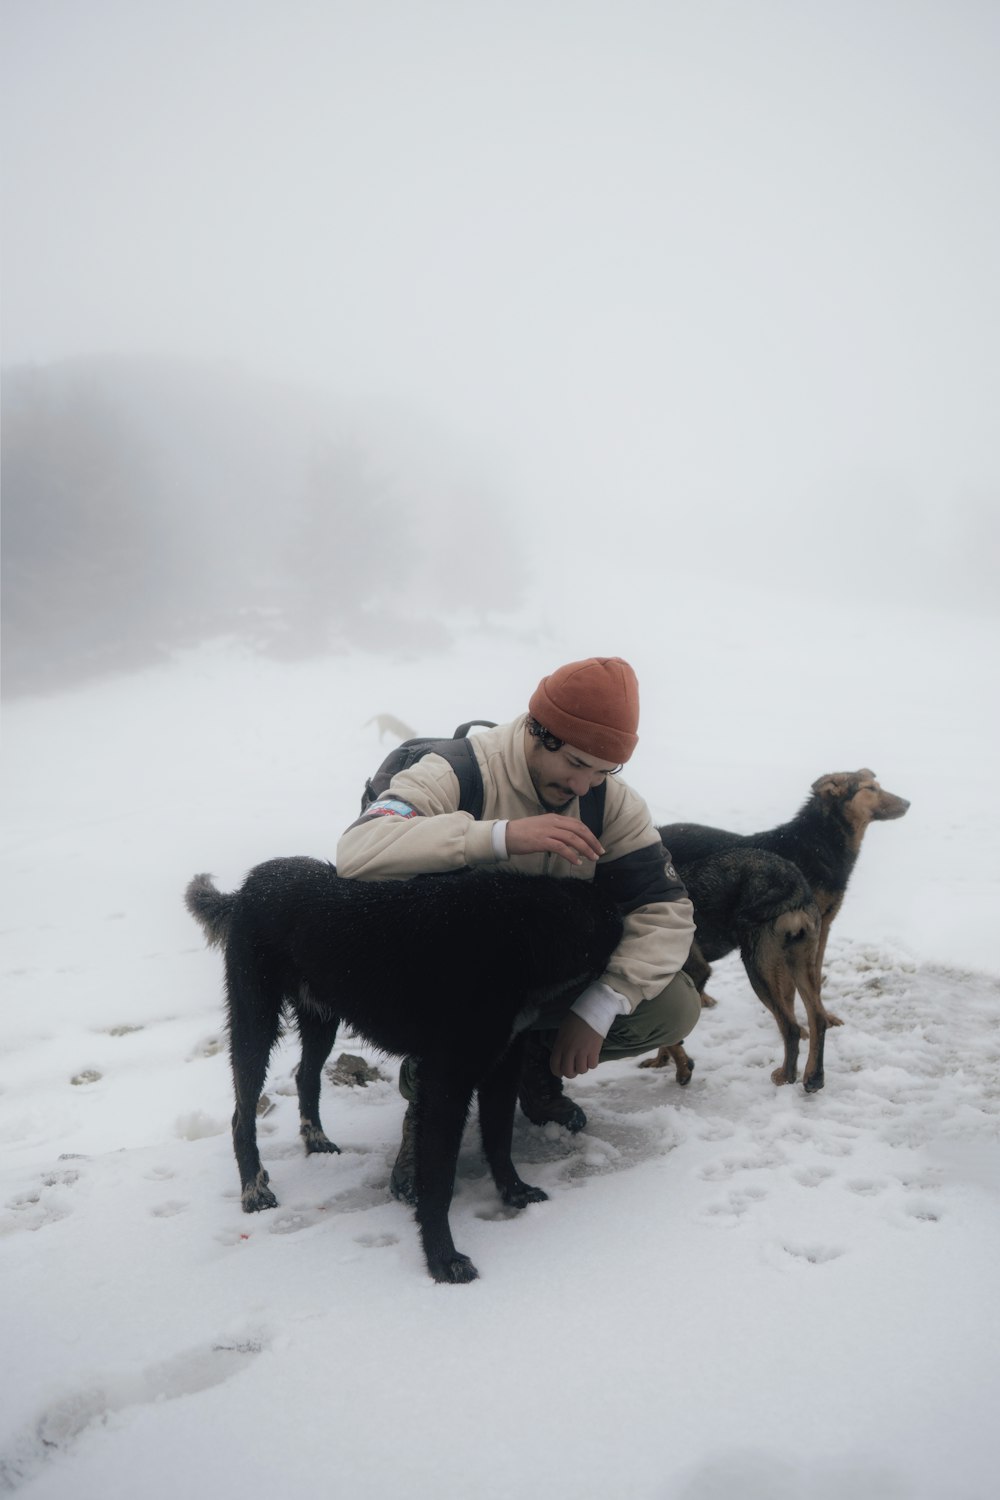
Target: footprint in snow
pixel 810 1177
pixel 358 1199
pixel 735 1205
pixel 814 1255
pixel 730 1166
pixel 55 1431
pixel 866 1187
pixel 38 1207
pixel 924 1210
pixel 290 1221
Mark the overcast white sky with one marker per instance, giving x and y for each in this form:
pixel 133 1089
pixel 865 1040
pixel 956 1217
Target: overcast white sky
pixel 656 259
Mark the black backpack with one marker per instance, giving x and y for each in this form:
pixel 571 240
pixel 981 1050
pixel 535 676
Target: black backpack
pixel 459 754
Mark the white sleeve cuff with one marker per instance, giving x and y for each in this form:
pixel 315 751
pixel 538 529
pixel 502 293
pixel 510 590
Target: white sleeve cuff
pixel 498 835
pixel 599 1005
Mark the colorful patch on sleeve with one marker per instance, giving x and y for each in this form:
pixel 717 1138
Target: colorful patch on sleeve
pixel 391 807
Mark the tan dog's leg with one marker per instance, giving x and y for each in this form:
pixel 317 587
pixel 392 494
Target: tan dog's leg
pixel 817 967
pixel 698 970
pixel 800 964
pixel 773 985
pixel 683 1066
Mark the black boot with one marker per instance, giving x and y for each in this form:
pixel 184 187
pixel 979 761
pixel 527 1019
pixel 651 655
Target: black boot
pixel 403 1181
pixel 540 1092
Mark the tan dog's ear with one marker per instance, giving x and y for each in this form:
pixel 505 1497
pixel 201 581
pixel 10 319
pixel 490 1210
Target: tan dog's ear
pixel 841 783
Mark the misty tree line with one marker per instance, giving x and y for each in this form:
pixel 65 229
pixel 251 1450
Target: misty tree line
pixel 148 505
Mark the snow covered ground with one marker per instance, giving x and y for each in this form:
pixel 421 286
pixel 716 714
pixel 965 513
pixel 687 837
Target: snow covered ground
pixel 733 1290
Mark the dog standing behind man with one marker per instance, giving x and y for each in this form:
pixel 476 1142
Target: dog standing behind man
pixel 823 839
pixel 727 881
pixel 762 905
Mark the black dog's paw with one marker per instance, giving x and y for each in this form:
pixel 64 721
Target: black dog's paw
pixel 457 1269
pixel 257 1195
pixel 316 1139
pixel 521 1194
pixel 403 1188
pixel 813 1084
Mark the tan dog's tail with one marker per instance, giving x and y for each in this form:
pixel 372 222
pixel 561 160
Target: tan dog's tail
pixel 797 933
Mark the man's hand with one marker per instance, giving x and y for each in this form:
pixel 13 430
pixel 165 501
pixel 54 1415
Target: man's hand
pixel 551 833
pixel 577 1048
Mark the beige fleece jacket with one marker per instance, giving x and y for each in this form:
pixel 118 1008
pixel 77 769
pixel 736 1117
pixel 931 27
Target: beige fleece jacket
pixel 426 834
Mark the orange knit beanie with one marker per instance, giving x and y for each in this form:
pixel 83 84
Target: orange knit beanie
pixel 592 705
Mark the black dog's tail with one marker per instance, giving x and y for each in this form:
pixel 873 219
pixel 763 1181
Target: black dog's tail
pixel 210 907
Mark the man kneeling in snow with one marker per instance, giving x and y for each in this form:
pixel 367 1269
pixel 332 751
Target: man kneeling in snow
pixel 549 780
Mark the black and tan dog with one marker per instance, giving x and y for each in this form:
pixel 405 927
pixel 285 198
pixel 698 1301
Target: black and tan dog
pixel 823 839
pixel 762 905
pixel 449 969
pixel 821 843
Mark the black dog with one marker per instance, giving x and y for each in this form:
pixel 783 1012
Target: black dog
pixel 449 969
pixel 823 840
pixel 762 905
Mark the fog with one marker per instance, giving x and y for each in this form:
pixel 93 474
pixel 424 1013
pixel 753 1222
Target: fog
pixel 704 294
pixel 368 358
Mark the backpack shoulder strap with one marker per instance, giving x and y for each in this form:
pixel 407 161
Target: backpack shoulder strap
pixel 457 752
pixel 462 758
pixel 592 809
pixel 462 732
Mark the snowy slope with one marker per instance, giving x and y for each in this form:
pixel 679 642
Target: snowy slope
pixel 734 1289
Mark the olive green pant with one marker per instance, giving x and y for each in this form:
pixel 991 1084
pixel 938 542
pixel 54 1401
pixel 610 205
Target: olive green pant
pixel 659 1021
